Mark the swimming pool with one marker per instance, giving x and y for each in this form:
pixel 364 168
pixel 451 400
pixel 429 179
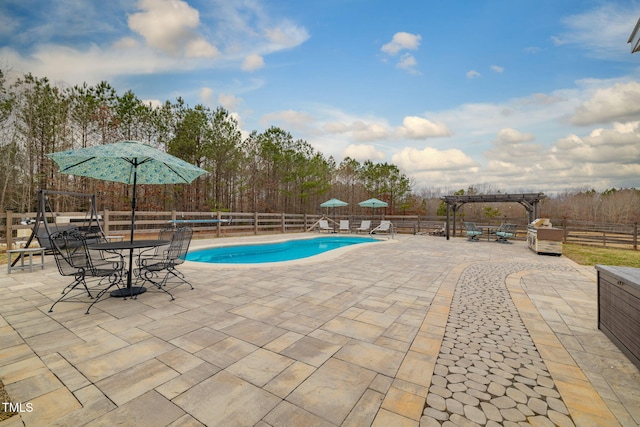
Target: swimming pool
pixel 273 252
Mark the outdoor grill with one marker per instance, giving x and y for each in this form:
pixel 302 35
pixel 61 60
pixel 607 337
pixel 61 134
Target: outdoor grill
pixel 542 238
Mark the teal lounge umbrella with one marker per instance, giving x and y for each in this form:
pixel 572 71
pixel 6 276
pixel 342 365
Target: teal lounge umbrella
pixel 129 162
pixel 333 203
pixel 373 203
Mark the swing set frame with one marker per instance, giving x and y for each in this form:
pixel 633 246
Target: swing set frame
pixel 87 226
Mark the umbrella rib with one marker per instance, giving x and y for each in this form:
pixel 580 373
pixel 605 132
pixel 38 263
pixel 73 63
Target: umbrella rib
pixel 177 173
pixel 134 162
pixel 76 164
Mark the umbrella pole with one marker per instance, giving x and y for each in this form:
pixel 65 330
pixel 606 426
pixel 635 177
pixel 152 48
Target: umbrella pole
pixel 133 222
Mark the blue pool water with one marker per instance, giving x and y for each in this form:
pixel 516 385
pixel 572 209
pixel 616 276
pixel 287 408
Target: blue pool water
pixel 273 252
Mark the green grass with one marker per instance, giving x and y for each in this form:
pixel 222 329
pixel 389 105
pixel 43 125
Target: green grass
pixel 592 255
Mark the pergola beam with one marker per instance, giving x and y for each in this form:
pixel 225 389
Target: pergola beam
pixel 528 200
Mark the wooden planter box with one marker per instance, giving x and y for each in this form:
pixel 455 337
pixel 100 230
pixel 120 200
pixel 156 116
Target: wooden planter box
pixel 619 308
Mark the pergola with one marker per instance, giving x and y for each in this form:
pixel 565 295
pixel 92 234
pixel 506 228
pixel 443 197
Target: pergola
pixel 528 200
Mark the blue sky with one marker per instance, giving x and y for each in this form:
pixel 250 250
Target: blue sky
pixel 509 95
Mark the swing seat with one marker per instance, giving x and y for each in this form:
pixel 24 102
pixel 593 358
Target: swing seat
pixel 43 237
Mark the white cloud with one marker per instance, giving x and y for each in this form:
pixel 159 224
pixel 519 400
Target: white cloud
pixel 616 103
pixel 363 152
pixel 289 119
pixel 497 68
pixel 510 145
pixel 61 63
pixel 252 62
pixel 154 103
pixel 407 61
pixel 472 74
pixel 362 131
pixel 126 43
pixel 620 144
pixel 601 32
pixel 170 26
pixel 508 136
pixel 335 127
pixel 229 102
pixel 420 128
pixel 357 129
pixel 286 35
pixel 602 159
pixel 163 36
pixel 206 95
pixel 411 159
pixel 401 41
pixel 200 48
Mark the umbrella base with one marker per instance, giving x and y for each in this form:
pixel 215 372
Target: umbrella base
pixel 126 292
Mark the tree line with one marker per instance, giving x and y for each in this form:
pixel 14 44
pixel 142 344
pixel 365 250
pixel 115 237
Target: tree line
pixel 268 171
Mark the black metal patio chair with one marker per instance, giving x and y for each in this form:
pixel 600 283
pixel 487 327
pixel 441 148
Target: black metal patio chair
pixel 158 265
pixel 472 231
pixel 93 270
pixel 506 232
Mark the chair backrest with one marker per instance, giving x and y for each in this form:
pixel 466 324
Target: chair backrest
pixel 470 226
pixel 180 245
pixel 365 224
pixel 344 224
pixel 323 223
pixel 70 252
pixel 384 225
pixel 508 228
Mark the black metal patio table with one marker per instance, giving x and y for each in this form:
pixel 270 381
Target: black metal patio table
pixel 130 246
pixel 489 228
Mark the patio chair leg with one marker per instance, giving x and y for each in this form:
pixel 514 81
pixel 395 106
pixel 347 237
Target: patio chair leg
pixel 148 276
pixel 113 282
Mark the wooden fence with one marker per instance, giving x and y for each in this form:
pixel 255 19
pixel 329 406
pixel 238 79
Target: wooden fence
pixel 15 229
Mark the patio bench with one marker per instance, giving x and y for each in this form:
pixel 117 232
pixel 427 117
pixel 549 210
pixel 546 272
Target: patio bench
pixel 22 254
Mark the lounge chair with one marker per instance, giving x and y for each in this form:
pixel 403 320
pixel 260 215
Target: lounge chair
pixel 323 225
pixel 439 231
pixel 506 232
pixel 344 226
pixel 472 231
pixel 365 225
pixel 384 227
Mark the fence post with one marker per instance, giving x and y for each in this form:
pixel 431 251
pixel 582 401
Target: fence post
pixel 219 224
pixel 635 236
pixel 9 229
pixel 282 218
pixel 105 221
pixel 255 223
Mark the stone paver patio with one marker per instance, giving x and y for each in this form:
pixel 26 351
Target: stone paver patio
pixel 416 331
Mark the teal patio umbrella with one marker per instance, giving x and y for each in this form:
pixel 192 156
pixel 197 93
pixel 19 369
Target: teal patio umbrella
pixel 373 203
pixel 129 162
pixel 333 203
